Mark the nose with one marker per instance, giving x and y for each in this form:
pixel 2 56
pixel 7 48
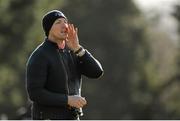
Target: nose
pixel 66 26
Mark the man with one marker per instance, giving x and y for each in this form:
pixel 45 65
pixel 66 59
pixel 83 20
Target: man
pixel 55 68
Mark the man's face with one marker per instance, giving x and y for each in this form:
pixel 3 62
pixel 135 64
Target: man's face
pixel 59 29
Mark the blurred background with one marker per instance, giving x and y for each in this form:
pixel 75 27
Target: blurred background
pixel 136 41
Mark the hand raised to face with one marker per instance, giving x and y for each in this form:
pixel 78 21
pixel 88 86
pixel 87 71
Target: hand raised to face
pixel 72 40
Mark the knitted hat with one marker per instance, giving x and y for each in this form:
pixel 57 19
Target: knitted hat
pixel 49 18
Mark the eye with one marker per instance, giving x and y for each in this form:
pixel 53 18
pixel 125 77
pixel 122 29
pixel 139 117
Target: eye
pixel 58 22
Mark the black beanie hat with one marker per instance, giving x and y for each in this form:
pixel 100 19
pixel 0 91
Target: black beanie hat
pixel 49 19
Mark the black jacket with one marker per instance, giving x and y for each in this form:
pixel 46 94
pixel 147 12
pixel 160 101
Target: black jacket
pixel 53 74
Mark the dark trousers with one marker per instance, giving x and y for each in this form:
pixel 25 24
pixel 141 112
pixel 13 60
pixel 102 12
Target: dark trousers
pixel 54 114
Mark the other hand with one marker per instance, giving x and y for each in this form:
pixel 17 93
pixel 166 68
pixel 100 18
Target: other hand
pixel 76 101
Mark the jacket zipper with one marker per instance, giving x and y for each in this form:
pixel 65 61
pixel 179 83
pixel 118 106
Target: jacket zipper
pixel 64 67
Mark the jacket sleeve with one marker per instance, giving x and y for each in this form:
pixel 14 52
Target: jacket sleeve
pixel 89 66
pixel 36 75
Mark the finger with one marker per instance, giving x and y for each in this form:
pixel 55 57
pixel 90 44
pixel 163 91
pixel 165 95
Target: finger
pixel 70 27
pixel 81 104
pixel 73 26
pixel 78 105
pixel 70 30
pixel 76 30
pixel 83 101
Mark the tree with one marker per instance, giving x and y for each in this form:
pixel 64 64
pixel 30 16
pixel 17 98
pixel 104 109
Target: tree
pixel 116 33
pixel 113 32
pixel 14 24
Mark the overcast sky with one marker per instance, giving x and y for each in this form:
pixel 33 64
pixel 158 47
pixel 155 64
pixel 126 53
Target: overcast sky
pixel 159 5
pixel 164 8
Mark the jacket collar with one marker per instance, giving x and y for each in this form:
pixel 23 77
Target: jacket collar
pixel 53 44
pixel 49 42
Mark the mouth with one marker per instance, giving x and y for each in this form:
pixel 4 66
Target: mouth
pixel 64 31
